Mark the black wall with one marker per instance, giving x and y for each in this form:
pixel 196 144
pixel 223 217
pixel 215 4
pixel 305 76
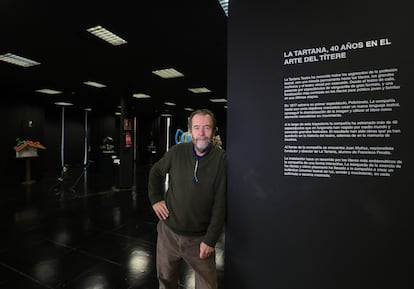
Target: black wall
pixel 73 136
pixel 332 231
pixel 15 124
pixel 45 127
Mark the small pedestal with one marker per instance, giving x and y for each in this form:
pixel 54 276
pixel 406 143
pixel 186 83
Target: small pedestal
pixel 28 166
pixel 28 153
pixel 28 150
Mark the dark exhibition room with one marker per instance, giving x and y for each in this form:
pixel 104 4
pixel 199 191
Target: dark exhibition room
pixel 296 116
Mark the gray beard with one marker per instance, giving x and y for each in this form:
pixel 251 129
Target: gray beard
pixel 203 148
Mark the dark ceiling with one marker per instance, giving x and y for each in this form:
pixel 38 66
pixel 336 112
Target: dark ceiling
pixel 188 35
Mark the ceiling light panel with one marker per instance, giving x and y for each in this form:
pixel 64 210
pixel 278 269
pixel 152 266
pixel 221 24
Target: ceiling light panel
pixel 170 103
pixel 225 5
pixel 218 100
pixel 168 73
pixel 62 103
pixel 106 35
pixel 18 60
pixel 48 91
pixel 199 90
pixel 141 95
pixel 95 84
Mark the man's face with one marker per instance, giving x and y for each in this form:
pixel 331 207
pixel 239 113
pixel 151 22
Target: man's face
pixel 201 132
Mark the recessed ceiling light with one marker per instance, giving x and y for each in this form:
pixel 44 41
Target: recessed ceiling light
pixel 218 100
pixel 199 90
pixel 62 103
pixel 117 113
pixel 141 95
pixel 106 35
pixel 166 114
pixel 18 60
pixel 48 91
pixel 88 109
pixel 94 84
pixel 188 109
pixel 168 73
pixel 169 103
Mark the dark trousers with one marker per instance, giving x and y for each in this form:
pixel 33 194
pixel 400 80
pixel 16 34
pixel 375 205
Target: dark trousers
pixel 172 248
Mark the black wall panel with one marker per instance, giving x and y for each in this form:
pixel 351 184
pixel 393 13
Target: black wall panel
pixel 25 122
pixel 319 195
pixel 73 136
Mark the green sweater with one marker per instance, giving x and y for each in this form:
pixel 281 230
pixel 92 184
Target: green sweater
pixel 196 207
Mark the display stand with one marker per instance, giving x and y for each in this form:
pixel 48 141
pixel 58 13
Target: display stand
pixel 28 150
pixel 28 180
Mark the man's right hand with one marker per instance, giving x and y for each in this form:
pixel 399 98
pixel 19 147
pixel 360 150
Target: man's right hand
pixel 161 210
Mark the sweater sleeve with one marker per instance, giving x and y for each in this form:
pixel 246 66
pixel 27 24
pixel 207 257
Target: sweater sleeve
pixel 218 212
pixel 156 180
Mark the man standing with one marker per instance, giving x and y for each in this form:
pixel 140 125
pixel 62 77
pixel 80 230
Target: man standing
pixel 192 211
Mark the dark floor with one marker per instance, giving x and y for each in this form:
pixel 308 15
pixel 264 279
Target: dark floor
pixel 94 236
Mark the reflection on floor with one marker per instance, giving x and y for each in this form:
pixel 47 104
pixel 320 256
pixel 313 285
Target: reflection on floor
pixel 90 235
